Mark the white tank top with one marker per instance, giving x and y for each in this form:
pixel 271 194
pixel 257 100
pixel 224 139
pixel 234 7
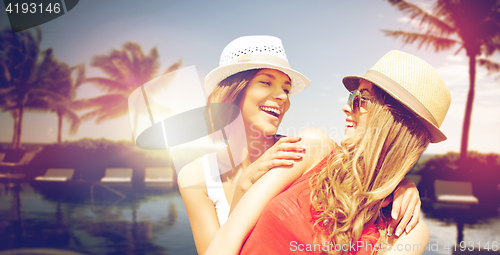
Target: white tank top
pixel 214 187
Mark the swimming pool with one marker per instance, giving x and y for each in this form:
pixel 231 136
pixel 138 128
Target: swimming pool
pixel 144 222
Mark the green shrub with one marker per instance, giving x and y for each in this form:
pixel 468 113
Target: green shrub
pixel 481 169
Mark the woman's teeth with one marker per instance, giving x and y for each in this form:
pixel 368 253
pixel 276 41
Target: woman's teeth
pixel 270 110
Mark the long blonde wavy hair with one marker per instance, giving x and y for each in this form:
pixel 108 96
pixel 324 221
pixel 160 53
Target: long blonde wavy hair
pixel 348 193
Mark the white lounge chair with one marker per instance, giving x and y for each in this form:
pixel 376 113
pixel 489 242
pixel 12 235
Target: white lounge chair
pixel 158 176
pixel 118 176
pixel 454 192
pixel 57 175
pixel 25 159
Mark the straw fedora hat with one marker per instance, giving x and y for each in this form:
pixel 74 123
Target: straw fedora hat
pixel 414 83
pixel 255 52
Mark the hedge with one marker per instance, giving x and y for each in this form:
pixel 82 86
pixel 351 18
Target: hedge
pixel 481 169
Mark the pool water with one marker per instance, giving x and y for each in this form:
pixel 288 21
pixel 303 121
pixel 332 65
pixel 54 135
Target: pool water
pixel 144 222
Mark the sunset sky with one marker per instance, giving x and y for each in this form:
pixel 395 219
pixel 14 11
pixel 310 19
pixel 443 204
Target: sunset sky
pixel 325 40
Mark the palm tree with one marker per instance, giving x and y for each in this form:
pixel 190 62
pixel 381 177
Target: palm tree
pixel 127 69
pixel 470 24
pixel 62 83
pixel 67 109
pixel 21 77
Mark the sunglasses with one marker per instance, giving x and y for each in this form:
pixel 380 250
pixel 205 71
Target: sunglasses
pixel 357 100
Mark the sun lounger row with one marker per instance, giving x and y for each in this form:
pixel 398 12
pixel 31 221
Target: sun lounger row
pixel 154 176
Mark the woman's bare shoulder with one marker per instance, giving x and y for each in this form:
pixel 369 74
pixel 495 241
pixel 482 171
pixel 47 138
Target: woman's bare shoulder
pixel 318 143
pixel 191 174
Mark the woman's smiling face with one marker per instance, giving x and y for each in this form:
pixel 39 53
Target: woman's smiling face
pixel 265 101
pixel 356 120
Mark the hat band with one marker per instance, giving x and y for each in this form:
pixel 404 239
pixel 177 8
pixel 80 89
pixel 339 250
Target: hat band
pixel 402 93
pixel 260 58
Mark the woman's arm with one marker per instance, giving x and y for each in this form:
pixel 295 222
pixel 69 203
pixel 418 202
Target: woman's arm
pixel 230 237
pixel 405 208
pixel 200 209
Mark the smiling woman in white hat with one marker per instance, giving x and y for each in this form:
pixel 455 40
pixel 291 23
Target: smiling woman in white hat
pixel 393 112
pixel 253 74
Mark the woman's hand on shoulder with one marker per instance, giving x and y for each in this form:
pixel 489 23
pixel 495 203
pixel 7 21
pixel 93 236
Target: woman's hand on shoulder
pixel 311 143
pixel 317 146
pixel 282 154
pixel 308 147
pixel 405 208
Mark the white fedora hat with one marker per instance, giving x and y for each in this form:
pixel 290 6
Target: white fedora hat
pixel 255 52
pixel 414 83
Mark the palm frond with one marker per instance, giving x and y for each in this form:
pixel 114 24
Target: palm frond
pixel 124 66
pixel 73 118
pixel 104 101
pixel 435 25
pixel 115 112
pixel 6 91
pixel 39 105
pixel 6 102
pixel 150 66
pixel 5 74
pixel 491 45
pixel 106 113
pixel 47 95
pixel 48 65
pixel 38 35
pixel 80 74
pixel 489 34
pixel 15 94
pixel 90 115
pixel 142 68
pixel 437 42
pixel 492 67
pixel 153 87
pixel 107 84
pixel 107 64
pixel 135 51
pixel 11 108
pixel 174 66
pixel 82 104
pixel 107 106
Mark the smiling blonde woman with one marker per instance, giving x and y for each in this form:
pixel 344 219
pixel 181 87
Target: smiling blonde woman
pixel 393 113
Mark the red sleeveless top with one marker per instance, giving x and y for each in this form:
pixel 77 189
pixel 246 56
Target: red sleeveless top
pixel 286 225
